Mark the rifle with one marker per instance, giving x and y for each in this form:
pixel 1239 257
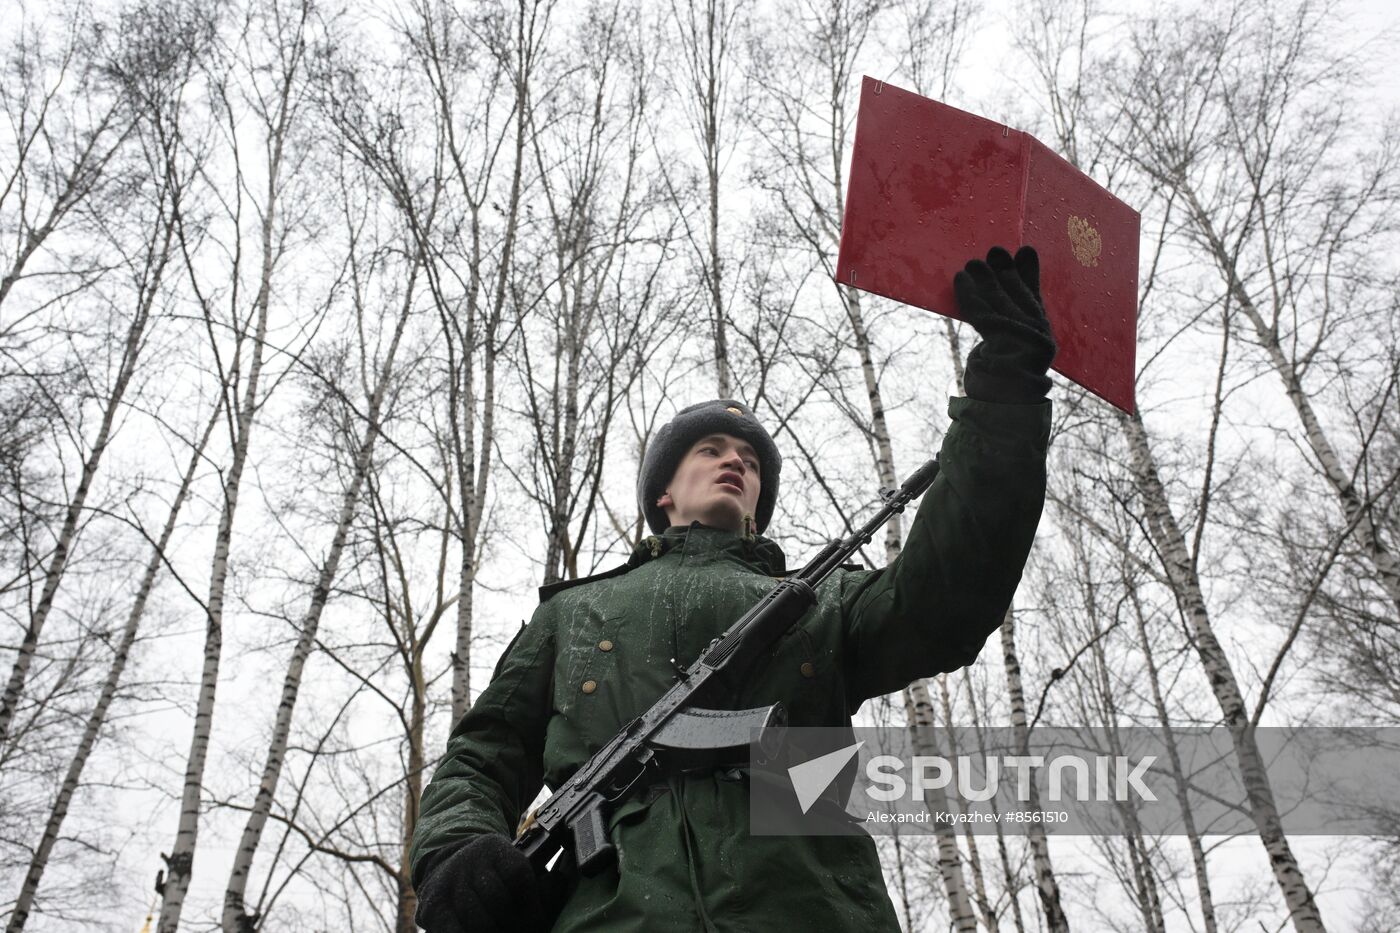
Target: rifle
pixel 676 732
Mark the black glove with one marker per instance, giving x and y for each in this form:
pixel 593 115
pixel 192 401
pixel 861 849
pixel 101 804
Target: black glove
pixel 486 886
pixel 1000 298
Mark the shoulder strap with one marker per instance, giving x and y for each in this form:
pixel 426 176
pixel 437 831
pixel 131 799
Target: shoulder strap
pixel 549 589
pixel 849 565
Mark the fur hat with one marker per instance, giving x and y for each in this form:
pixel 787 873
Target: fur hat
pixel 674 440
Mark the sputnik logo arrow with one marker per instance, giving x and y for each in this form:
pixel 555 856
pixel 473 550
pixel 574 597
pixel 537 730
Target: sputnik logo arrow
pixel 811 778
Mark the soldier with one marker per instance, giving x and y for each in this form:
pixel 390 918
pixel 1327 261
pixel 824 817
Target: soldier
pixel 600 650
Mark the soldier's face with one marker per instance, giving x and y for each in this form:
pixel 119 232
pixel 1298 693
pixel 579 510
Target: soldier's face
pixel 717 483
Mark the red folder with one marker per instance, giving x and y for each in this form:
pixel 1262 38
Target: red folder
pixel 932 186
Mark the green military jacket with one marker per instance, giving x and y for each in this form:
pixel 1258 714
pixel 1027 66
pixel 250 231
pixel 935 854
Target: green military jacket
pixel 598 652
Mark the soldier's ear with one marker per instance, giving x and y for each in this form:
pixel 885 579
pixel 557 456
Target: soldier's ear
pixel 664 501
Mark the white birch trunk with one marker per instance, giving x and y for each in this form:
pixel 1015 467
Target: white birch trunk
pixel 1009 874
pixel 1356 511
pixel 1171 543
pixel 1144 891
pixel 974 856
pixel 473 487
pixel 560 561
pixel 884 449
pixel 707 55
pixel 901 878
pixel 180 862
pixel 1046 885
pixel 918 708
pixel 413 793
pixel 235 918
pixel 39 861
pixel 156 259
pixel 1193 836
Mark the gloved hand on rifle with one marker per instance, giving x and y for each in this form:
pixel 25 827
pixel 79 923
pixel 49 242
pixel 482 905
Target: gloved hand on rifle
pixel 487 886
pixel 1000 298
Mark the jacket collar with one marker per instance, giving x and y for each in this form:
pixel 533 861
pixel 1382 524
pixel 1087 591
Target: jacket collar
pixel 696 539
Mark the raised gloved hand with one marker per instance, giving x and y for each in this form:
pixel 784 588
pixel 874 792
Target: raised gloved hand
pixel 1000 298
pixel 486 886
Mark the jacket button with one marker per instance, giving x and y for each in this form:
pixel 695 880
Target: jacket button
pixel 589 686
pixel 808 670
pixel 605 645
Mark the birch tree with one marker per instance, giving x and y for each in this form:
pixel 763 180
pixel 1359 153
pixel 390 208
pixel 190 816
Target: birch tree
pixel 170 159
pixel 1047 885
pixel 92 727
pixel 708 88
pixel 1293 208
pixel 1186 585
pixel 361 439
pixel 1131 577
pixel 268 71
pixel 152 86
pixel 362 827
pixel 480 72
pixel 1245 192
pixel 67 120
pixel 598 302
pixel 1071 112
pixel 807 120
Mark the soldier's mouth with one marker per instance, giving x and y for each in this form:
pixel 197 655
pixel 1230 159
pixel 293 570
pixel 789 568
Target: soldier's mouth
pixel 730 479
